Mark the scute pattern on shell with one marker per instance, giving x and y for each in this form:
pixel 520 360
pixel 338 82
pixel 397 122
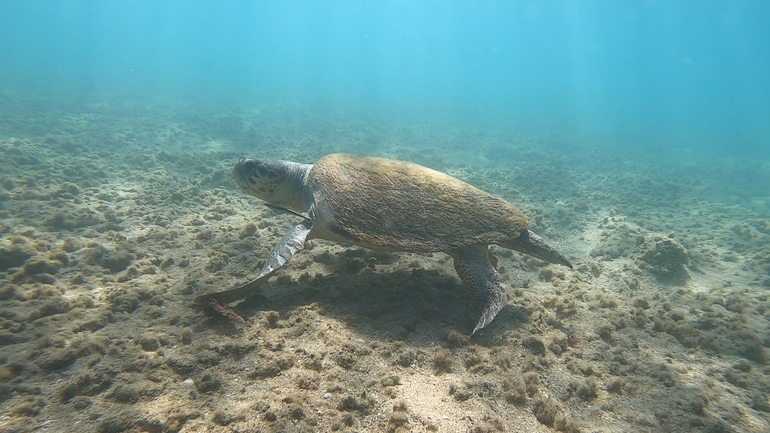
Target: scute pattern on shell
pixel 393 205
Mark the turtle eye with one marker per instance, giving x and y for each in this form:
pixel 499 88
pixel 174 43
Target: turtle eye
pixel 247 166
pixel 262 171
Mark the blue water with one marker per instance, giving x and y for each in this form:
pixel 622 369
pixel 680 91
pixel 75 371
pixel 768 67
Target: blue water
pixel 650 74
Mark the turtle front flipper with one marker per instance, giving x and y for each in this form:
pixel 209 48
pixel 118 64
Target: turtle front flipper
pixel 241 292
pixel 291 243
pixel 474 268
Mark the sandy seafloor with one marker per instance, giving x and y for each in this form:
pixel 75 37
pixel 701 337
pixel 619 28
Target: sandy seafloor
pixel 114 214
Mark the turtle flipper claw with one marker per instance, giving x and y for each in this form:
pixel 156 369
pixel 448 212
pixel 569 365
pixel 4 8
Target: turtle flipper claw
pixel 494 302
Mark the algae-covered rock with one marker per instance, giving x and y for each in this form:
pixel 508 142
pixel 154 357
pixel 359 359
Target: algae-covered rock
pixel 665 258
pixel 14 252
pixel 618 238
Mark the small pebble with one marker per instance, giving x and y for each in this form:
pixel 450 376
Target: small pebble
pixel 188 382
pixel 327 396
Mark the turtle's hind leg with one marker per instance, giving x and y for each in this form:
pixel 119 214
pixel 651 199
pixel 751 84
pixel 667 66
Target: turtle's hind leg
pixel 474 268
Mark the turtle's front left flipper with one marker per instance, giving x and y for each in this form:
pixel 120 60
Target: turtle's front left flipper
pixel 475 269
pixel 236 294
pixel 292 243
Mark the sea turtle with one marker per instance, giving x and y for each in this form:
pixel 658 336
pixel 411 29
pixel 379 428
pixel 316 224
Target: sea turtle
pixel 388 205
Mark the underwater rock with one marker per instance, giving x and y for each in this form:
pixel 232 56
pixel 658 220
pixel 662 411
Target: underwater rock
pixel 72 244
pixel 546 410
pixel 117 261
pixel 37 266
pixel 14 254
pixel 71 220
pixel 665 258
pixel 114 260
pixel 618 238
pixel 92 254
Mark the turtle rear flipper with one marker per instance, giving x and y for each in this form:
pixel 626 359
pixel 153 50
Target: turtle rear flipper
pixel 475 269
pixel 291 243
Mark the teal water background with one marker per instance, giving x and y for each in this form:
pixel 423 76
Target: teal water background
pixel 643 74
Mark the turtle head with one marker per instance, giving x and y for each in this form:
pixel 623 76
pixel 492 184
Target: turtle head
pixel 280 183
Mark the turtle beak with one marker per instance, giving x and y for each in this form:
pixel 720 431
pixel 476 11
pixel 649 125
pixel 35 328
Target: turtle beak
pixel 240 172
pixel 248 167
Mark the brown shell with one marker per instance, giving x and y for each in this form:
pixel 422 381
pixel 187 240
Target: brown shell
pixel 394 205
